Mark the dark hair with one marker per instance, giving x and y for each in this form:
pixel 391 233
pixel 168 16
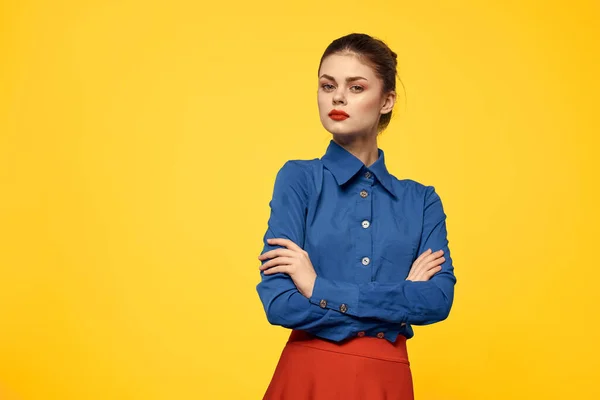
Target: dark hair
pixel 373 52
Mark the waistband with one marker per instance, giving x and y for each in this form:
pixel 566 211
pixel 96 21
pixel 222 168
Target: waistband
pixel 365 346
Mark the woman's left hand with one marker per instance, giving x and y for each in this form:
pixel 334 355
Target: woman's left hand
pixel 292 260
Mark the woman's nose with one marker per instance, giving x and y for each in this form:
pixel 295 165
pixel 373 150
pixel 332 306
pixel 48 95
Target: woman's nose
pixel 338 98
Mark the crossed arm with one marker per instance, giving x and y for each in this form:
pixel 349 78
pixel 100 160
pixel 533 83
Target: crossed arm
pixel 291 292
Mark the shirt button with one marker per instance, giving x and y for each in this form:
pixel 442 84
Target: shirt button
pixel 360 334
pixel 365 261
pixel 380 335
pixel 363 193
pixel 323 303
pixel 367 175
pixel 343 308
pixel 366 224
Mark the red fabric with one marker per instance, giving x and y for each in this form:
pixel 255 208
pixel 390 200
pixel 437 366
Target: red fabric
pixel 362 368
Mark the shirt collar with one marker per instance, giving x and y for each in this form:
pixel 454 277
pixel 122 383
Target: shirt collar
pixel 344 165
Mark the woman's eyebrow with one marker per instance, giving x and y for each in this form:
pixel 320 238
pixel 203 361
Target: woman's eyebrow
pixel 349 79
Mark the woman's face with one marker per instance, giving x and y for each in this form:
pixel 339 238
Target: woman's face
pixel 348 85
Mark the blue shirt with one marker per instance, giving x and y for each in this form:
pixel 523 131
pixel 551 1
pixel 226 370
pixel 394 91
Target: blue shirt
pixel 362 228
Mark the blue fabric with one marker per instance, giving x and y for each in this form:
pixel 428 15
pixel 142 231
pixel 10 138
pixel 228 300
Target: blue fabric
pixel 361 246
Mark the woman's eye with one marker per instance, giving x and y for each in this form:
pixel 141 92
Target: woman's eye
pixel 355 88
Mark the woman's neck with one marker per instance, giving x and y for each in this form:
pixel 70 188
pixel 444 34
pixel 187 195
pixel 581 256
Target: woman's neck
pixel 364 148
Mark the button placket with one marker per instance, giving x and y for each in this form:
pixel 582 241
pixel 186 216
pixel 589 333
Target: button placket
pixel 362 230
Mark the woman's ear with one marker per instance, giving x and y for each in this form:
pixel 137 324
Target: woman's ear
pixel 388 103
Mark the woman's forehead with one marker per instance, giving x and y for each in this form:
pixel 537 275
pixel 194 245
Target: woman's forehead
pixel 345 65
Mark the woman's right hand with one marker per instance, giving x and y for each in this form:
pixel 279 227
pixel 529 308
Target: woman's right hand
pixel 426 265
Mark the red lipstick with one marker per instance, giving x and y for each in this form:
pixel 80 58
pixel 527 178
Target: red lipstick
pixel 338 115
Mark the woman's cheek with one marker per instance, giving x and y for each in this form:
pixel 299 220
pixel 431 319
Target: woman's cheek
pixel 368 105
pixel 323 102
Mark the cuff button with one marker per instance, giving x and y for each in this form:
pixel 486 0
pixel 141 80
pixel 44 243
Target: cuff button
pixel 343 308
pixel 380 335
pixel 323 303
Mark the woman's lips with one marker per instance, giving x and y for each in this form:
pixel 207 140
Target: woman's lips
pixel 338 117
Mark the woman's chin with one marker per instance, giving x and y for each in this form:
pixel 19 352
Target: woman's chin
pixel 343 133
pixel 338 129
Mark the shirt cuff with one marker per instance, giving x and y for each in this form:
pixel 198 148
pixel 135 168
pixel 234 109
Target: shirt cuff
pixel 335 295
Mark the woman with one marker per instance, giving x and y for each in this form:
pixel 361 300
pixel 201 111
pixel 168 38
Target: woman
pixel 353 256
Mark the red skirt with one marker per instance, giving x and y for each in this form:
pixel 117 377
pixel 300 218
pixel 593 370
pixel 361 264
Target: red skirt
pixel 361 368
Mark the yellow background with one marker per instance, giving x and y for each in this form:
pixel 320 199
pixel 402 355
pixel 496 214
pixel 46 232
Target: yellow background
pixel 139 142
